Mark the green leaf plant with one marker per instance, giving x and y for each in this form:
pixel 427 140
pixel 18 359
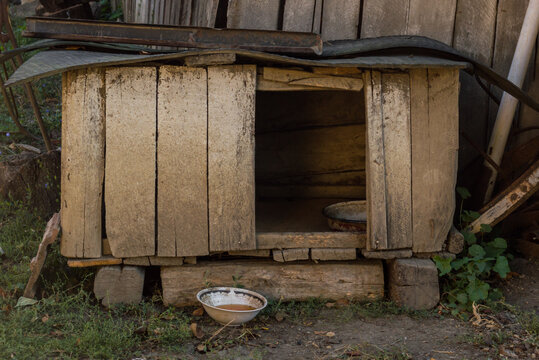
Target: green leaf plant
pixel 469 278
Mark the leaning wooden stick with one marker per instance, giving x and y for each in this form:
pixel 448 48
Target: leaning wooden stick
pixel 51 233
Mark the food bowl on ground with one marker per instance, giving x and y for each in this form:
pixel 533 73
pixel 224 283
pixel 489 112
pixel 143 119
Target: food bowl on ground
pixel 231 306
pixel 347 216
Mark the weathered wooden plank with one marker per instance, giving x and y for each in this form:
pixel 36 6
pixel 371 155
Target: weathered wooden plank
pixel 434 19
pixel 182 194
pixel 231 192
pixel 83 162
pixel 287 255
pixel 130 160
pixel 397 152
pixel 340 19
pixel 375 163
pixel 204 13
pixel 384 17
pixel 268 85
pixel 299 15
pixel 210 59
pixel 295 240
pixel 255 253
pixel 472 15
pixel 434 155
pixel 305 78
pixel 505 203
pixel 253 14
pixel 300 281
pixel 333 254
pixel 101 261
pixel 387 254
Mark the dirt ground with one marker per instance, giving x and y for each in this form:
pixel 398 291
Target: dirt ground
pixel 341 333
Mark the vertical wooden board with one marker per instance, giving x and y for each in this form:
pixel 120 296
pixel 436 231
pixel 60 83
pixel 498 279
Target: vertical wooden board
pixel 474 36
pixel 375 163
pixel 130 160
pixel 83 141
pixel 434 19
pixel 182 197
pixel 340 19
pixel 253 14
pixel 384 17
pixel 299 15
pixel 204 13
pixel 528 116
pixel 231 187
pixel 434 112
pixel 397 151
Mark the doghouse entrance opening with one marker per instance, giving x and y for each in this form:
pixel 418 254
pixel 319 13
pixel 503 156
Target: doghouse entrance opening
pixel 310 152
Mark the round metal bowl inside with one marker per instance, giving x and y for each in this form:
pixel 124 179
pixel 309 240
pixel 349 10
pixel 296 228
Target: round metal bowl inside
pixel 231 306
pixel 347 216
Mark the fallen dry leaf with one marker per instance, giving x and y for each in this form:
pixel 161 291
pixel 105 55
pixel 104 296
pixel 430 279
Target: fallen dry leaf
pixel 320 332
pixel 45 318
pixel 342 302
pixel 196 331
pixel 198 312
pixel 330 334
pixel 280 316
pixel 330 304
pixel 201 348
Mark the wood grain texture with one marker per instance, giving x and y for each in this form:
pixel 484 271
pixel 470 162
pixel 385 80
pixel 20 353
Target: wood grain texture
pixel 434 155
pixel 305 78
pixel 204 13
pixel 83 162
pixel 102 261
pixel 182 193
pixel 231 118
pixel 130 160
pixel 333 254
pixel 253 14
pixel 352 280
pixel 398 157
pixel 295 240
pixel 434 19
pixel 384 17
pixel 287 255
pixel 375 163
pixel 299 15
pixel 340 19
pixel 115 284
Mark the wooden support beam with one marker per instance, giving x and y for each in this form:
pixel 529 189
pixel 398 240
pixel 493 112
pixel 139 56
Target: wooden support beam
pixel 290 255
pixel 509 200
pixel 295 240
pixel 102 261
pixel 305 78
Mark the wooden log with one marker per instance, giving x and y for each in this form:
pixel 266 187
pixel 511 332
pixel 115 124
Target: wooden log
pixel 434 110
pixel 130 160
pixel 455 241
pixel 231 117
pixel 290 255
pixel 182 194
pixel 253 14
pixel 340 19
pixel 375 164
pixel 83 162
pixel 387 254
pixel 37 262
pixel 119 285
pixel 397 153
pixel 333 254
pixel 305 78
pixel 360 280
pixel 509 200
pixel 413 283
pixel 101 261
pixel 310 240
pixel 210 59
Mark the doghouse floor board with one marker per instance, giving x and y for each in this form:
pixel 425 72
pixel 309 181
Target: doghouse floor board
pixel 359 280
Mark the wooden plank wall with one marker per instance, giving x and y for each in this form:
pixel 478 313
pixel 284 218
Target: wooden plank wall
pixel 487 30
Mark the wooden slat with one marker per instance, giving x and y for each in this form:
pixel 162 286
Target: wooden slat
pixel 253 14
pixel 340 19
pixel 384 17
pixel 102 261
pixel 305 78
pixel 434 19
pixel 352 280
pixel 299 15
pixel 397 151
pixel 231 191
pixel 204 13
pixel 182 196
pixel 295 240
pixel 375 163
pixel 83 162
pixel 434 109
pixel 472 15
pixel 130 160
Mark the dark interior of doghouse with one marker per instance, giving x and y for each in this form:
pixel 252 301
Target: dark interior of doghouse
pixel 310 152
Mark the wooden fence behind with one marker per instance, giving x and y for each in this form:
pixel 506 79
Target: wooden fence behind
pixel 486 30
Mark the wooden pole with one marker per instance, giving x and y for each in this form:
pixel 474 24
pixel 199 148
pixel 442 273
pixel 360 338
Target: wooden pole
pixel 508 104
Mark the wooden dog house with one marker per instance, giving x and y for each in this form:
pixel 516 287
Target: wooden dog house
pixel 234 157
